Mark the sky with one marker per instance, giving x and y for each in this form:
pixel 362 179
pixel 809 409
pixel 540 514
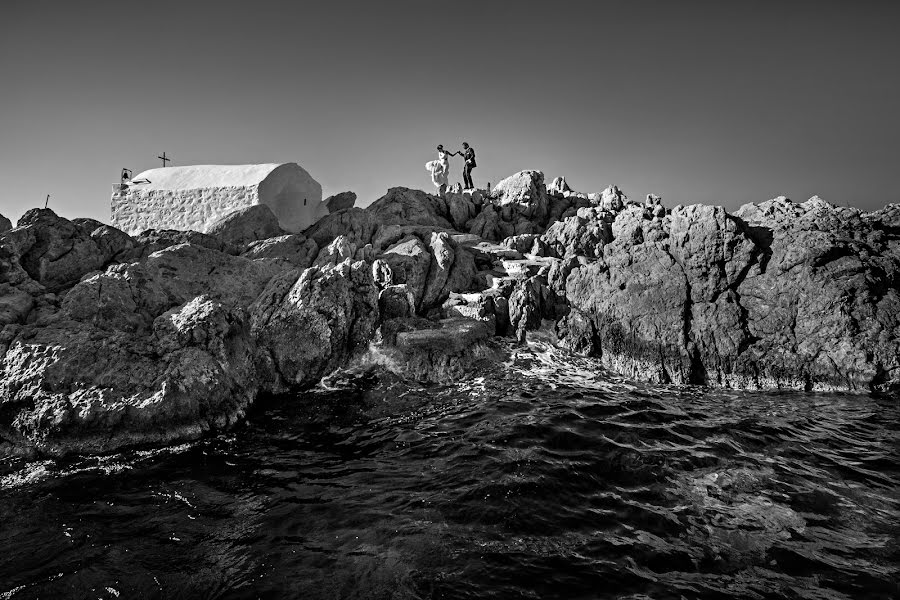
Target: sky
pixel 714 102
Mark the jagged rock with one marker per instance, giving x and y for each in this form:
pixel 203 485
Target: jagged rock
pixel 51 250
pixel 15 304
pixel 154 240
pixel 341 201
pixel 441 351
pixel 340 249
pixel 403 206
pixel 452 270
pixel 486 224
pixel 525 192
pixel 356 224
pixel 239 228
pixel 559 186
pixel 760 300
pixel 292 250
pixel 584 234
pixel 108 340
pixel 312 326
pixel 825 300
pixel 525 307
pixel 612 199
pixel 67 389
pixel 112 242
pixel 382 274
pixel 366 253
pixel 485 253
pixel 5 224
pixel 526 243
pixel 388 235
pixel 409 261
pixel 561 205
pixel 461 209
pixel 885 219
pixel 396 301
pixel 442 258
pixel 478 306
pixel 128 297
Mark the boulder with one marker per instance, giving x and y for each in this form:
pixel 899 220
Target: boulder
pixel 239 228
pixel 526 243
pixel 15 304
pixel 403 206
pixel 127 297
pixel 486 224
pixel 356 224
pixel 479 306
pixel 612 199
pixel 559 186
pixel 441 351
pixel 340 249
pixel 154 240
pixel 388 235
pixel 396 301
pixel 311 326
pixel 452 269
pixel 51 250
pixel 584 234
pixel 292 250
pixel 526 194
pixel 341 201
pixel 525 307
pixel 461 209
pixel 409 261
pixel 64 388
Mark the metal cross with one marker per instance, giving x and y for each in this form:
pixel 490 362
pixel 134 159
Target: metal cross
pixel 164 159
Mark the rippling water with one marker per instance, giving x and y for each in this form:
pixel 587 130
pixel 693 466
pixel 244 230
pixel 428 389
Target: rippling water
pixel 541 480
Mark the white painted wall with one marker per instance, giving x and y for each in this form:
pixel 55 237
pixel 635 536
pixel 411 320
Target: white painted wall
pixel 193 197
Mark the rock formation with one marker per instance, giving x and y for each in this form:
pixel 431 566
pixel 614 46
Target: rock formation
pixel 110 340
pixel 341 201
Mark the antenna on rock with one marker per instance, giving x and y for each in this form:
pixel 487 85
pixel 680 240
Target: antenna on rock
pixel 47 201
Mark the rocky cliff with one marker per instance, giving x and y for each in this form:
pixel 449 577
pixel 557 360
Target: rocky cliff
pixel 109 339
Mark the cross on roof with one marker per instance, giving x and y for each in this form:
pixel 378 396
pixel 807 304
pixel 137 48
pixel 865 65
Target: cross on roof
pixel 164 159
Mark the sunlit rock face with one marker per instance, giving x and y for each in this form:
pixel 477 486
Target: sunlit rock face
pixel 193 197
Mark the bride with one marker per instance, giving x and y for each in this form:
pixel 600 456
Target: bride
pixel 440 169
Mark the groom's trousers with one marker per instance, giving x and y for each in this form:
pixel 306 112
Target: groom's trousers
pixel 467 177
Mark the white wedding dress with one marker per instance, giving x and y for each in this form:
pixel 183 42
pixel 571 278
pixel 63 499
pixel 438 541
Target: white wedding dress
pixel 439 169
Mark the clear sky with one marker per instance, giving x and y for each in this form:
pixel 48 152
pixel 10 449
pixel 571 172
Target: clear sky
pixel 714 102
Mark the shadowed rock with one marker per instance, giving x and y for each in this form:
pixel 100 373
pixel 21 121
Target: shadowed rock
pixel 239 228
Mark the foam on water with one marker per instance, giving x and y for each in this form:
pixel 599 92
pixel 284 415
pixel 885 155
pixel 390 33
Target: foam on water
pixel 544 478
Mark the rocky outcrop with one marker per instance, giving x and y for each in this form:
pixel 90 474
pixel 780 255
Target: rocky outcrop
pixel 176 345
pixel 306 327
pixel 5 224
pixel 239 228
pixel 110 340
pixel 800 296
pixel 356 224
pixel 584 234
pixel 154 240
pixel 403 206
pixel 341 201
pixel 437 351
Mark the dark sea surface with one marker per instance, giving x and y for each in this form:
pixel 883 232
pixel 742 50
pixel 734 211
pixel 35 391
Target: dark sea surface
pixel 542 479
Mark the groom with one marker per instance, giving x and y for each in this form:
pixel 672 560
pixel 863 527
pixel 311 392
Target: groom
pixel 468 155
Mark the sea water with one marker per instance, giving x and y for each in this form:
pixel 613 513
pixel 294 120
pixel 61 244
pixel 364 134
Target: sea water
pixel 543 478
